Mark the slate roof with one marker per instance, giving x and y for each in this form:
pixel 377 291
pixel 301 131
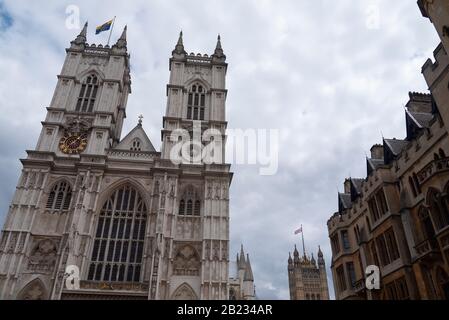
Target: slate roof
pixel 422 119
pixel 345 200
pixel 396 146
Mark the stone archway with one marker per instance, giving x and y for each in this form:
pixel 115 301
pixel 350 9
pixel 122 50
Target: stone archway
pixel 35 290
pixel 184 292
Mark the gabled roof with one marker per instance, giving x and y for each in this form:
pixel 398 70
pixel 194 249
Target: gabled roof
pixel 357 183
pixel 136 133
pixel 356 188
pixel 421 119
pixel 344 201
pixel 396 146
pixel 373 164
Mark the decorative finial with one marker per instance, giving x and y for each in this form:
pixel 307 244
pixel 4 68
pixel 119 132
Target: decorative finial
pixel 123 36
pixel 218 53
pixel 218 42
pixel 179 48
pixel 84 30
pixel 121 42
pixel 140 119
pixel 82 37
pixel 180 42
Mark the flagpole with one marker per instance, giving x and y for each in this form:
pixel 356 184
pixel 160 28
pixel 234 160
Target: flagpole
pixel 303 246
pixel 112 27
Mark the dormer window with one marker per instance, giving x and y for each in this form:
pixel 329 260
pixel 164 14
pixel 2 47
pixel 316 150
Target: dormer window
pixel 136 145
pixel 88 94
pixel 196 103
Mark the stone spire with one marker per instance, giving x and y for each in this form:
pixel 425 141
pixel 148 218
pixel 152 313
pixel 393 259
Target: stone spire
pixel 296 255
pixel 312 261
pixel 248 271
pixel 320 257
pixel 179 48
pixel 218 55
pixel 121 42
pixel 242 262
pixel 82 37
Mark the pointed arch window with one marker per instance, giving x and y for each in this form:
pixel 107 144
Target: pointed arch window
pixel 59 197
pixel 190 203
pixel 88 94
pixel 439 210
pixel 428 231
pixel 196 102
pixel 118 246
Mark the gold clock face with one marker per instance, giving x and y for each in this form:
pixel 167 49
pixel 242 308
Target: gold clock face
pixel 73 144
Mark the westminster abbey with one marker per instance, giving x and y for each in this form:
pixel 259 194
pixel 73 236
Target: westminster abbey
pixel 132 222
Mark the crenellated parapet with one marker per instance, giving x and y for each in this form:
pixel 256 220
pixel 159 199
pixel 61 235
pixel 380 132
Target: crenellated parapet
pixel 432 71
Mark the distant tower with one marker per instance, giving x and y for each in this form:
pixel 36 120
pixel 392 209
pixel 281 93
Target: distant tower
pixel 241 279
pixel 307 280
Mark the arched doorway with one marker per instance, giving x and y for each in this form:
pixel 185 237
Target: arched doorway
pixel 35 290
pixel 184 292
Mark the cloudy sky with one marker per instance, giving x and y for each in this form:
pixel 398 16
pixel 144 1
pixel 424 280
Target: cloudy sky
pixel 330 75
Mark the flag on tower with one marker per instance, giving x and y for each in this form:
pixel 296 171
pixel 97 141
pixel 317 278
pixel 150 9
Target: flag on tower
pixel 298 231
pixel 104 27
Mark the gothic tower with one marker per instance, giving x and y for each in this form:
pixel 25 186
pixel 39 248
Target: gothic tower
pixel 135 223
pixel 307 279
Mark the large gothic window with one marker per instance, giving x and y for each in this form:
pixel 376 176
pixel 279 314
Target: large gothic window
pixel 196 103
pixel 88 94
pixel 190 204
pixel 119 239
pixel 59 197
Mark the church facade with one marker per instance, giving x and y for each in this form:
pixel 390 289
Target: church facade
pixel 128 221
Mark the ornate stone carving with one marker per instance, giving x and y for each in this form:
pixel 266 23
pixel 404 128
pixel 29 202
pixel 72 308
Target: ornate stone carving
pixel 43 256
pixel 77 125
pixel 122 286
pixel 187 262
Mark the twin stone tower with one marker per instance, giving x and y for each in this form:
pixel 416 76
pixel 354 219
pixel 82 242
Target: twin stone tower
pixel 133 222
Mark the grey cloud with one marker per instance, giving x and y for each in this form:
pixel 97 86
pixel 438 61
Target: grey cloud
pixel 309 68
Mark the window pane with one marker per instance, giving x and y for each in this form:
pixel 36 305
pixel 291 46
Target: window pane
pixel 196 102
pixel 203 100
pixel 195 113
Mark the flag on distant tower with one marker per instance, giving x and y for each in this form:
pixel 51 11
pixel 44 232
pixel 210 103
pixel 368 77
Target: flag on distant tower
pixel 298 231
pixel 104 27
